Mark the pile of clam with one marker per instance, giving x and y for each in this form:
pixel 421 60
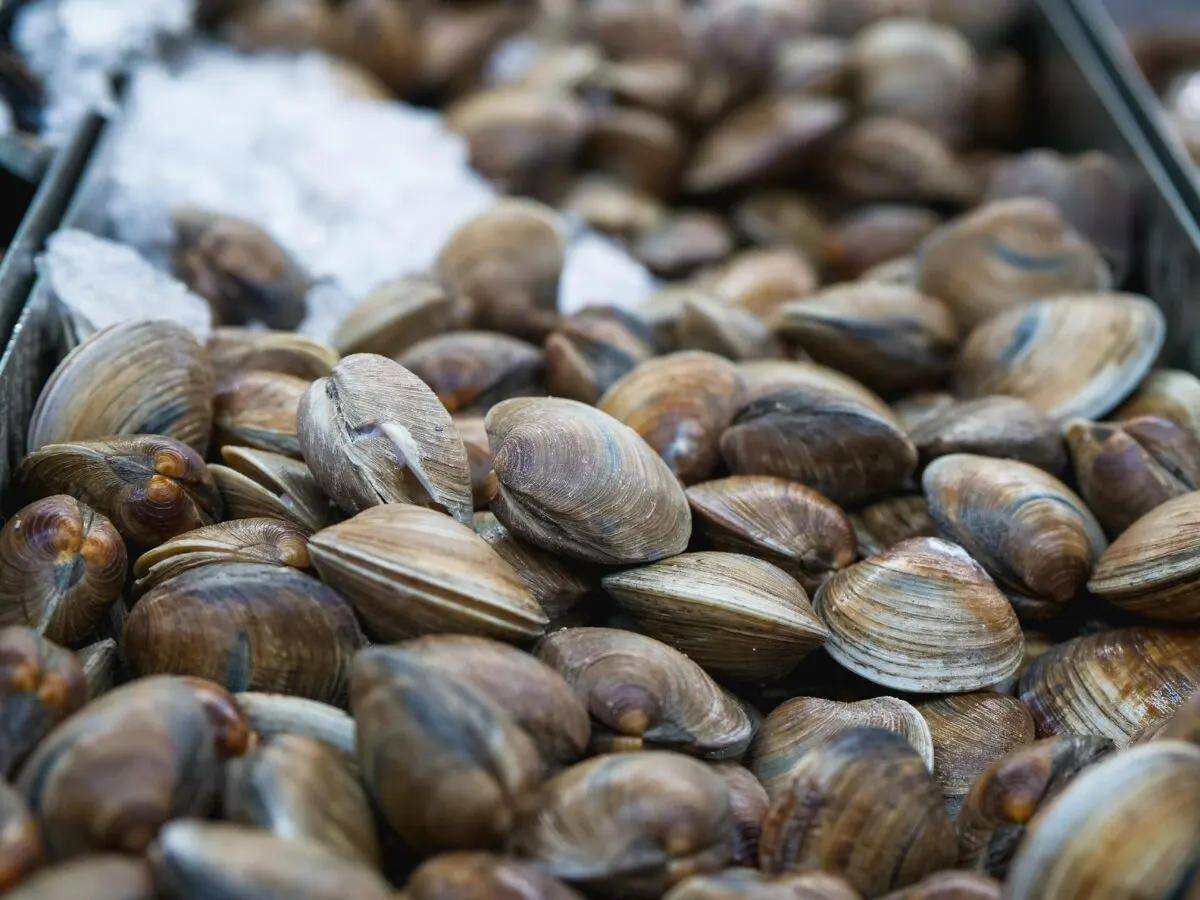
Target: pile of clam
pixel 780 585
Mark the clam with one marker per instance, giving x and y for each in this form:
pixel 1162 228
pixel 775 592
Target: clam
pixel 144 377
pixel 299 787
pixel 382 37
pixel 875 234
pixel 373 432
pixel 1127 469
pixel 221 860
pixel 890 337
pixel 761 280
pixel 574 480
pixel 506 262
pixel 520 138
pixel 612 207
pixel 20 839
pixel 398 314
pixel 479 457
pixel 248 626
pixel 923 617
pixel 1169 393
pixel 918 71
pixel 558 585
pixel 741 39
pixel 884 524
pixel 483 876
pixel 100 662
pixel 567 66
pixel 626 30
pixel 750 884
pixel 1091 191
pixel 1184 725
pixel 1031 532
pixel 242 350
pixel 110 777
pixel 1036 643
pixel 711 324
pixel 1005 254
pixel 810 424
pixel 749 803
pixel 969 732
pixel 257 484
pixel 1114 683
pixel 680 404
pixel 243 272
pixel 687 240
pixel 662 311
pixel 641 148
pixel 736 616
pixel 533 694
pixel 458 40
pixel 1011 790
pixel 814 64
pixel 779 218
pixel 1150 569
pixel 880 160
pixel 474 370
pixel 62 565
pixel 797 726
pixel 780 521
pixel 294 25
pixel 767 137
pixel 902 270
pixel 661 84
pixel 1003 427
pixel 151 488
pixel 108 876
pixel 271 715
pixel 587 353
pixel 629 824
pixel 409 571
pixel 915 409
pixel 1125 828
pixel 40 685
pixel 1113 341
pixel 951 884
pixel 269 541
pixel 448 767
pixel 646 693
pixel 861 805
pixel 258 409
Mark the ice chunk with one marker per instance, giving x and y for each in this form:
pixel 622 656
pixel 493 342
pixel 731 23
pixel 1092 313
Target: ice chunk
pixel 106 283
pixel 77 45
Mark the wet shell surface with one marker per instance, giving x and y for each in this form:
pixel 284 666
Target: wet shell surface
pixel 1074 356
pixel 259 484
pixel 921 617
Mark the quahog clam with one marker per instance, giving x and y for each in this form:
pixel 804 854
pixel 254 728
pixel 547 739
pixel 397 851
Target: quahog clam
pixel 398 314
pixel 372 432
pixel 256 484
pixel 711 323
pixel 100 876
pixel 751 884
pixel 749 803
pixel 1003 427
pixel 736 616
pixel 40 685
pixel 21 850
pixel 861 805
pixel 1113 340
pixel 244 350
pixel 409 571
pixel 62 565
pixel 798 725
pixel 922 616
pixel 950 884
pixel 471 371
pixel 760 280
pixel 630 824
pixel 646 693
pixel 590 351
pixel 574 480
pixel 258 409
pixel 876 234
pixel 1169 393
pixel 685 241
pixel 270 715
pixel 886 523
pixel 142 377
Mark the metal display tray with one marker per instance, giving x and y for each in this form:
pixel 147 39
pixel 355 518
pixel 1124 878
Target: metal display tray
pixel 1082 105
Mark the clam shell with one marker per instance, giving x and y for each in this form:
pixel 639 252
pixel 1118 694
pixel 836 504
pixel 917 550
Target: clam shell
pixel 679 404
pixel 1031 532
pixel 643 689
pixel 1003 255
pixel 41 684
pixel 640 147
pixel 1113 340
pixel 613 207
pixel 884 524
pixel 749 803
pixel 877 234
pixel 281 714
pixel 921 617
pixel 587 353
pixel 258 409
pixel 474 370
pixel 248 626
pixel 100 662
pixel 760 280
pixel 1169 393
pixel 398 314
pixel 241 350
pixel 687 240
pixel 479 456
pixel 798 725
pixel 710 324
pixel 1126 827
pixel 751 884
pixel 736 616
pixel 101 876
pixel 21 851
pixel 482 876
pixel 381 37
pixel 892 338
pixel 574 480
pixel 1003 427
pixel 1112 684
pixel 1152 569
pixel 372 432
pixel 145 377
pixel 409 571
pixel 257 484
pixel 775 217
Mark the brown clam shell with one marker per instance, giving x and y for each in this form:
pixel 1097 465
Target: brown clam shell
pixel 242 350
pixel 1003 427
pixel 483 876
pixel 884 524
pixel 258 409
pixel 40 685
pixel 470 371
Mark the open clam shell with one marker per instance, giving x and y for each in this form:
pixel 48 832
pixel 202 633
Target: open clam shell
pixel 921 617
pixel 1071 356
